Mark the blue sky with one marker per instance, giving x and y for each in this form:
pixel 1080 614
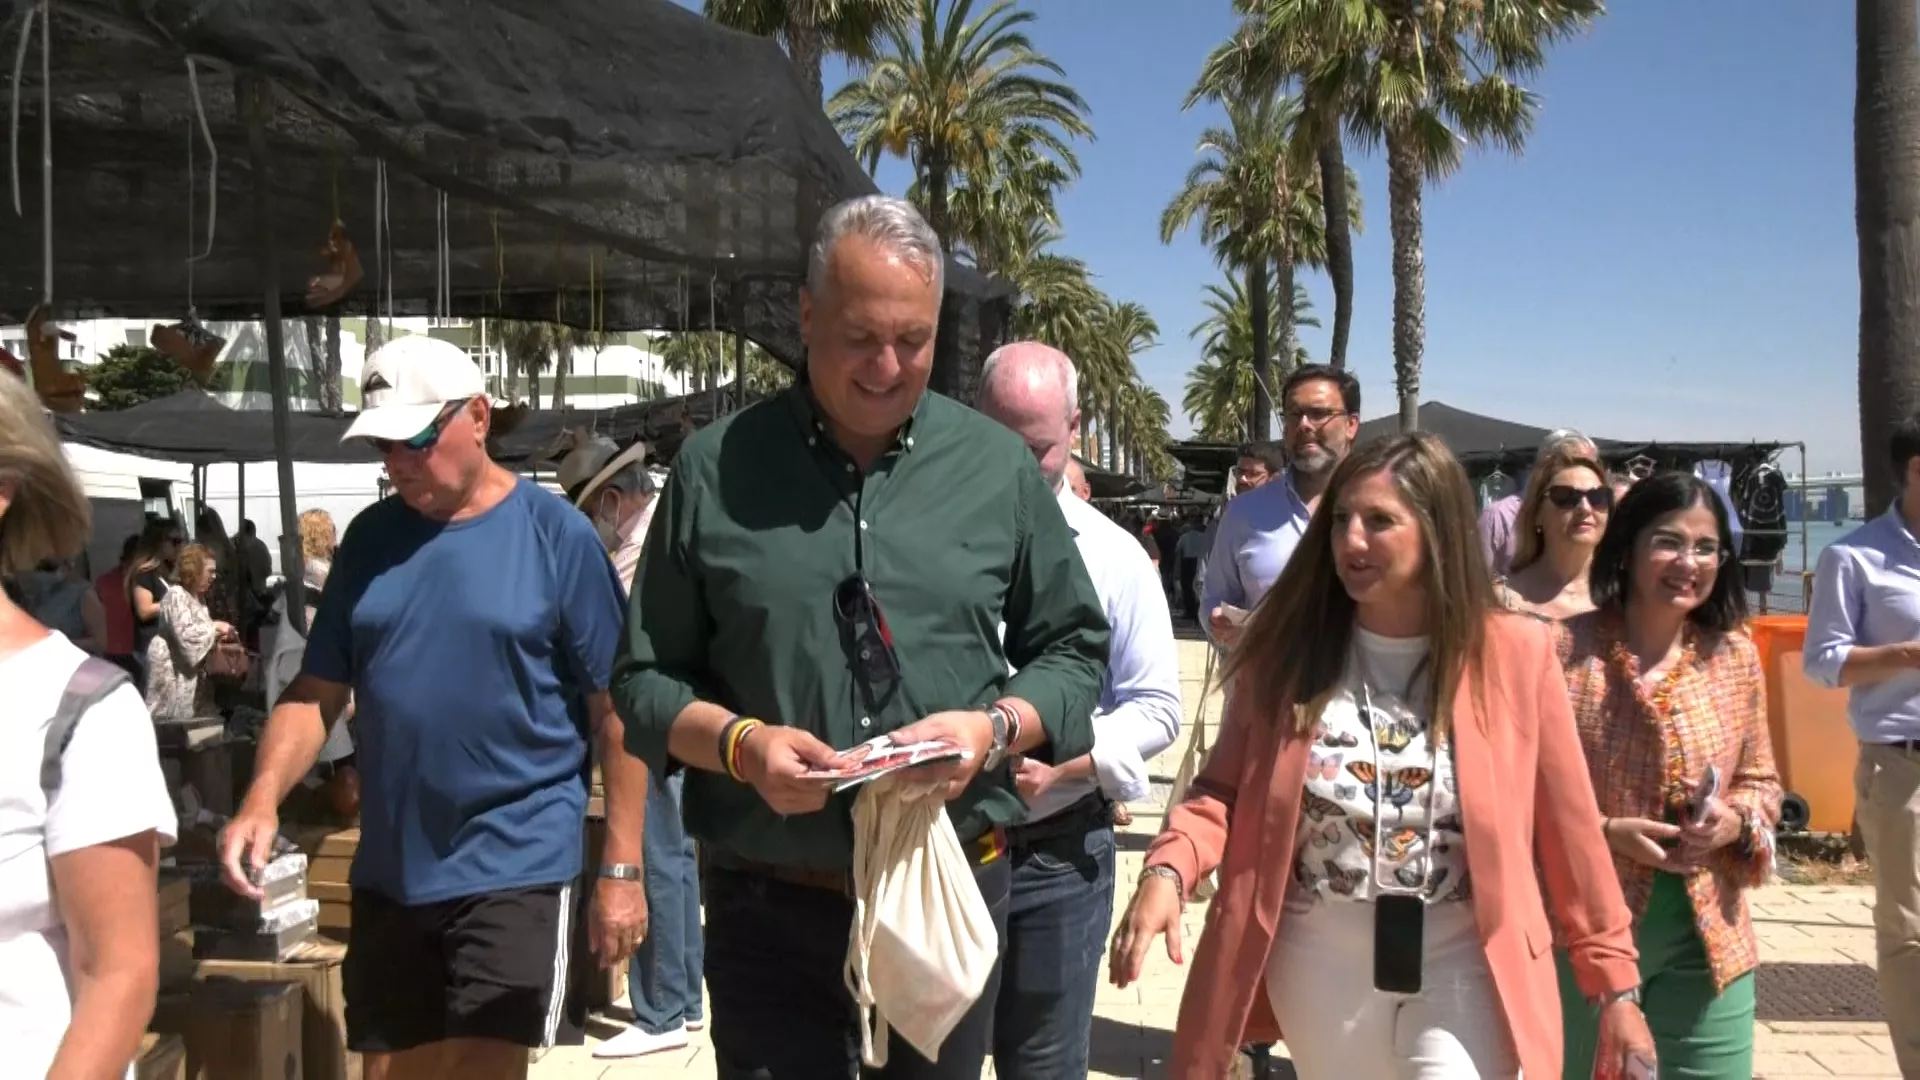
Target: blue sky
pixel 1673 256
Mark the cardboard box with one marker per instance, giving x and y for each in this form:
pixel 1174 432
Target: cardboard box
pixel 330 854
pixel 315 969
pixel 176 891
pixel 161 1057
pixel 244 1031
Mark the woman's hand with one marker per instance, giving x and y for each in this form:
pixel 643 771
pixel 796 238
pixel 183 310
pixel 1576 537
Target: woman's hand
pixel 224 629
pixel 1638 839
pixel 1721 827
pixel 1626 1046
pixel 1155 910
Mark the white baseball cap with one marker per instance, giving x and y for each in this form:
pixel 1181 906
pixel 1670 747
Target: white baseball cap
pixel 405 384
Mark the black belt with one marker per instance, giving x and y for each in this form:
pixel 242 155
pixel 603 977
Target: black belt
pixel 1082 816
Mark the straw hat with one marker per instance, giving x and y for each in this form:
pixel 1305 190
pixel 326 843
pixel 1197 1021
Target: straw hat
pixel 634 453
pixel 584 461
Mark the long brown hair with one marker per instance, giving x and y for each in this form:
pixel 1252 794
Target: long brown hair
pixel 1528 544
pixel 1294 649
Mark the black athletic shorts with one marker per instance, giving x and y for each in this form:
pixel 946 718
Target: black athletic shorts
pixel 490 966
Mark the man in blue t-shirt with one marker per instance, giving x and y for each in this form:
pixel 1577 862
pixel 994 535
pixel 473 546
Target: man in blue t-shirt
pixel 468 615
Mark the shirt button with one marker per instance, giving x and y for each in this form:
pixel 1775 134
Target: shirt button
pixel 811 440
pixel 849 467
pixel 909 442
pixel 866 721
pixel 863 524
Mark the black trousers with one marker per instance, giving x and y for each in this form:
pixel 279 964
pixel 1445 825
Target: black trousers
pixel 776 953
pixel 1190 597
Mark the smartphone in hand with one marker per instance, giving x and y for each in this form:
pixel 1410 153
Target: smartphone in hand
pixel 1700 803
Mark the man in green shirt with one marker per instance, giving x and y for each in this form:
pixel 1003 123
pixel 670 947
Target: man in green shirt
pixel 855 558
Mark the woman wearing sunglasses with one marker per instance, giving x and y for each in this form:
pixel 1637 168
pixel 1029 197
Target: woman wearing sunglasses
pixel 1560 521
pixel 1396 759
pixel 1669 698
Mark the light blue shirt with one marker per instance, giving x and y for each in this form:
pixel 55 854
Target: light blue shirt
pixel 1139 711
pixel 1866 591
pixel 1255 538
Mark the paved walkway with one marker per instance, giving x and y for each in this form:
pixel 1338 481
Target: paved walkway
pixel 1132 1028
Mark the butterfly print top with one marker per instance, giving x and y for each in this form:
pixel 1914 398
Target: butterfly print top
pixel 1379 799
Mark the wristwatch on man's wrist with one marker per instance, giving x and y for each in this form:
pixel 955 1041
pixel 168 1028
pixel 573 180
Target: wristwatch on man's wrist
pixel 621 872
pixel 1616 996
pixel 1002 737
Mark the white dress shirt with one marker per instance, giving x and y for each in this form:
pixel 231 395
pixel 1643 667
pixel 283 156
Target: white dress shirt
pixel 1139 711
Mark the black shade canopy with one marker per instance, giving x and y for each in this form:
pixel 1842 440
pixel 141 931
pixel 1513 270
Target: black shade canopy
pixel 620 165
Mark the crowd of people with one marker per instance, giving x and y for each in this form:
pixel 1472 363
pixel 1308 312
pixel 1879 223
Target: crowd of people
pixel 1489 797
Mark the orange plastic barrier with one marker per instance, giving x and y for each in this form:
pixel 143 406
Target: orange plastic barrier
pixel 1812 741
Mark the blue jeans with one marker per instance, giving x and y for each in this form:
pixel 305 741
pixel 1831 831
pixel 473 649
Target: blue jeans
pixel 1057 924
pixel 663 979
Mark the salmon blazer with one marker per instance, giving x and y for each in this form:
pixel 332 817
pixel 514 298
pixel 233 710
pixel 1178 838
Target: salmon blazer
pixel 1525 801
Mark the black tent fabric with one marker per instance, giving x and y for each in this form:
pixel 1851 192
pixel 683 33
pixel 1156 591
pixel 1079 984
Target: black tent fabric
pixel 1473 438
pixel 193 428
pixel 623 165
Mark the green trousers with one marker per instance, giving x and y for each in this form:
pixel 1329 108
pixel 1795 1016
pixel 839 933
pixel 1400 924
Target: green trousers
pixel 1698 1034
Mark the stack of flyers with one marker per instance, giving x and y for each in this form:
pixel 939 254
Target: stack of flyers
pixel 878 757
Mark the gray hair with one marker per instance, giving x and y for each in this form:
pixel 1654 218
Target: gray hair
pixel 892 223
pixel 1566 441
pixel 1031 353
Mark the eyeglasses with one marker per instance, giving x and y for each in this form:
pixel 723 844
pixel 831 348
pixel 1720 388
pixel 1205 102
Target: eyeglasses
pixel 428 436
pixel 1310 417
pixel 1669 547
pixel 1566 497
pixel 867 641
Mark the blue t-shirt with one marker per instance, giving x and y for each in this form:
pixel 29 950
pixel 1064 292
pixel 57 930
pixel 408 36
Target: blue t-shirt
pixel 465 643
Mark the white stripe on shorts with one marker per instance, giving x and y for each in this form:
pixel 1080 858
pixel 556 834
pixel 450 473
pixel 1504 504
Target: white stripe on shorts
pixel 557 1001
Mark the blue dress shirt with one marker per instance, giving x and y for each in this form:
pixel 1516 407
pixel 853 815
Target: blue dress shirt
pixel 1255 538
pixel 1866 591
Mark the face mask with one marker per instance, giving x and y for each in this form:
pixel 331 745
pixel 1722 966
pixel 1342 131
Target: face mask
pixel 606 522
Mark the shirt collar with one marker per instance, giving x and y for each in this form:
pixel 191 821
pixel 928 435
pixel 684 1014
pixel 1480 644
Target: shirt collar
pixel 1897 518
pixel 813 419
pixel 1068 501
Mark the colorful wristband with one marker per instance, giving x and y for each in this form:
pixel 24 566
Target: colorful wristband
pixel 731 737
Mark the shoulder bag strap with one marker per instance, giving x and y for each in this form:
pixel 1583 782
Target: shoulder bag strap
pixel 91 683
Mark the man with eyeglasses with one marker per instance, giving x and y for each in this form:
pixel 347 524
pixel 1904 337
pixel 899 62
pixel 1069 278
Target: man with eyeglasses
pixel 1863 633
pixel 1259 530
pixel 831 566
pixel 1064 855
pixel 1498 539
pixel 474 618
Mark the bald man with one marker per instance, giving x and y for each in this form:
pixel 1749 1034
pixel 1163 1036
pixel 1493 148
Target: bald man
pixel 1077 480
pixel 1063 856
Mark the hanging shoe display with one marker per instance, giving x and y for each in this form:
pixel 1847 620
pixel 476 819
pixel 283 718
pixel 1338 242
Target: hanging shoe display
pixel 191 345
pixel 60 390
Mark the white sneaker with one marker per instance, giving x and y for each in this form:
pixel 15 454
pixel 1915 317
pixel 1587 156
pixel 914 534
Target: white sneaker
pixel 635 1043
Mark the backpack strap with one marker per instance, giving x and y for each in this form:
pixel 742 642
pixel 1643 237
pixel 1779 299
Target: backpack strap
pixel 91 683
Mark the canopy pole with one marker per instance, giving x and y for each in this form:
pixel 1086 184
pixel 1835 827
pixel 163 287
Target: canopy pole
pixel 240 475
pixel 255 92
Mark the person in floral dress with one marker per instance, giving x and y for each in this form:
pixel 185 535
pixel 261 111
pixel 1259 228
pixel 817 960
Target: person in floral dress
pixel 177 683
pixel 1669 698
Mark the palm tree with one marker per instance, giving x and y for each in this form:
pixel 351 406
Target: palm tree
pixel 1427 81
pixel 698 356
pixel 1220 390
pixel 1259 212
pixel 1886 182
pixel 994 211
pixel 812 28
pixel 947 92
pixel 523 346
pixel 1261 57
pixel 1123 331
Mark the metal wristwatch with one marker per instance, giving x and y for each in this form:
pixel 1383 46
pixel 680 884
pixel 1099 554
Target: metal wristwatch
pixel 1616 996
pixel 622 872
pixel 1002 737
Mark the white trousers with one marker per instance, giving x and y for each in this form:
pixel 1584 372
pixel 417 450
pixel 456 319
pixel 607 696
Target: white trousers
pixel 1338 1027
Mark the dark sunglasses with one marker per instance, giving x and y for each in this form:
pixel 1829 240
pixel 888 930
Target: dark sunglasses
pixel 868 641
pixel 428 435
pixel 1599 499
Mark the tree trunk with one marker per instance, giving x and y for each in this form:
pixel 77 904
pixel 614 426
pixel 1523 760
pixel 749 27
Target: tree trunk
pixel 376 334
pixel 315 336
pixel 805 51
pixel 1261 422
pixel 1404 180
pixel 330 374
pixel 562 360
pixel 533 386
pixel 1333 197
pixel 1086 432
pixel 1286 342
pixel 513 377
pixel 1886 170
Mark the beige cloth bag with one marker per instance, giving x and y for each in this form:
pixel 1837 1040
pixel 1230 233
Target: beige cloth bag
pixel 923 942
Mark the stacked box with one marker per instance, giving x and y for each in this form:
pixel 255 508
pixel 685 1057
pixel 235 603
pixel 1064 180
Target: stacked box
pixel 244 1031
pixel 230 927
pixel 315 967
pixel 330 852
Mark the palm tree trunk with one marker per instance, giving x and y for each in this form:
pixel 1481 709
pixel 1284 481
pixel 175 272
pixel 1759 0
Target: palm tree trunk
pixel 1333 197
pixel 1404 181
pixel 804 50
pixel 1886 170
pixel 562 360
pixel 1286 344
pixel 1260 424
pixel 937 216
pixel 533 385
pixel 330 374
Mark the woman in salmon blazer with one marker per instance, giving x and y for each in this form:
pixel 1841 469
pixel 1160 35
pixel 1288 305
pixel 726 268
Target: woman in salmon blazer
pixel 1396 758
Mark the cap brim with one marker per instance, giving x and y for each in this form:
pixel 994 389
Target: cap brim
pixel 397 423
pixel 636 452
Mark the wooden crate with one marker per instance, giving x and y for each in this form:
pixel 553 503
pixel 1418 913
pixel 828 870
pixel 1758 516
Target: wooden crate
pixel 315 968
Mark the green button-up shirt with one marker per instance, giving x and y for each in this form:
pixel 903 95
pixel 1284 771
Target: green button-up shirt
pixel 764 517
